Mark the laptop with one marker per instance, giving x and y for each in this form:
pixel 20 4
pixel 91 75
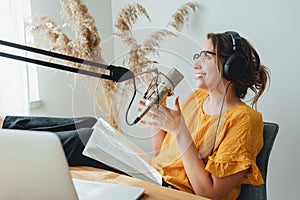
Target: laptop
pixel 33 166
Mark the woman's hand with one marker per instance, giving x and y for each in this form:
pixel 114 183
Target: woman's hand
pixel 165 118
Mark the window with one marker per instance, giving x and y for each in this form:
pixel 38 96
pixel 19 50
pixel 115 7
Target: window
pixel 14 74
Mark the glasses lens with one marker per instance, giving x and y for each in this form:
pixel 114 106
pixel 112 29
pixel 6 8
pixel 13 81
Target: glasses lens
pixel 196 56
pixel 202 56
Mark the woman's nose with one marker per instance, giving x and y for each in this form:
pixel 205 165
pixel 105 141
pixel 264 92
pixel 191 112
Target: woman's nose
pixel 197 65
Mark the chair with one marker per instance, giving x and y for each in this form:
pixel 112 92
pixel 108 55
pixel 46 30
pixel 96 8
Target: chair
pixel 251 192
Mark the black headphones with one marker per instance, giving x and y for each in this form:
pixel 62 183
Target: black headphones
pixel 235 67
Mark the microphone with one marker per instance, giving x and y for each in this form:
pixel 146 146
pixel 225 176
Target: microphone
pixel 164 89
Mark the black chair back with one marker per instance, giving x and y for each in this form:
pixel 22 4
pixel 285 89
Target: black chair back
pixel 251 192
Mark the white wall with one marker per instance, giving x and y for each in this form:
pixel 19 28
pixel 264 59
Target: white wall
pixel 271 26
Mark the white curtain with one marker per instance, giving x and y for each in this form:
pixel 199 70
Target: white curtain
pixel 13 74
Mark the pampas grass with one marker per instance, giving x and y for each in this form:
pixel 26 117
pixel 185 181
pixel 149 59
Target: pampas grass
pixel 138 58
pixel 128 16
pixel 45 28
pixel 86 44
pixel 153 41
pixel 182 15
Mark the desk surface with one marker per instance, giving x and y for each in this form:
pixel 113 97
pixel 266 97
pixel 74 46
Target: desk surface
pixel 152 191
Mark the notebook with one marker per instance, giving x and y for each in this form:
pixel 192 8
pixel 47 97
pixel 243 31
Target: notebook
pixel 33 166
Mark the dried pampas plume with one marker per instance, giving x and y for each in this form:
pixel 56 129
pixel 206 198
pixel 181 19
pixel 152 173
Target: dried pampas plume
pixel 124 23
pixel 86 45
pixel 182 15
pixel 46 28
pixel 138 55
pixel 153 41
pixel 86 39
pixel 129 15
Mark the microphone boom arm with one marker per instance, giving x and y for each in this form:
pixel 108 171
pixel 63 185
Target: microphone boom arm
pixel 116 74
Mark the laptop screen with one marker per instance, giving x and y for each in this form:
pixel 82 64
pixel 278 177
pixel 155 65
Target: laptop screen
pixel 33 166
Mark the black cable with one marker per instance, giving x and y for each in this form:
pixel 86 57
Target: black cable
pixel 130 103
pixel 146 96
pixel 157 91
pixel 221 109
pixel 150 87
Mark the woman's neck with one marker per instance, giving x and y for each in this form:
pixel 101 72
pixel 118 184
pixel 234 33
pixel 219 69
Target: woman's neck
pixel 213 103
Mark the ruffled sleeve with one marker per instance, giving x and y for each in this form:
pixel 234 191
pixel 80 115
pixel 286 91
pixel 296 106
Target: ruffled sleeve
pixel 238 149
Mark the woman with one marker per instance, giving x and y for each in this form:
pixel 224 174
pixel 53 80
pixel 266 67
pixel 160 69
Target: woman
pixel 209 145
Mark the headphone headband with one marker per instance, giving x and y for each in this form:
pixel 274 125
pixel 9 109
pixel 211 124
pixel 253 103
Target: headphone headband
pixel 236 40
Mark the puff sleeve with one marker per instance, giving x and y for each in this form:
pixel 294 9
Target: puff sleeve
pixel 238 147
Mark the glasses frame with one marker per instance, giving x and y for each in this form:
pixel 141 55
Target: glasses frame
pixel 204 53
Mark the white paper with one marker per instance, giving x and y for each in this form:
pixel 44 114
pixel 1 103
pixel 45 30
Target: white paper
pixel 95 190
pixel 109 146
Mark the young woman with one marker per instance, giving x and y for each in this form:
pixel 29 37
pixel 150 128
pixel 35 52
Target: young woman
pixel 208 146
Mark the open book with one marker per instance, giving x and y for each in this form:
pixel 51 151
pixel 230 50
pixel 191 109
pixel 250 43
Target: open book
pixel 110 147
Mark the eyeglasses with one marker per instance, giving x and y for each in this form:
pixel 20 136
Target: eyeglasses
pixel 203 55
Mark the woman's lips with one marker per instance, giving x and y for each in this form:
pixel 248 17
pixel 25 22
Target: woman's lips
pixel 200 75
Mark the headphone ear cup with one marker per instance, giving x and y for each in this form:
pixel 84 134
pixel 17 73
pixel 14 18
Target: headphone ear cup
pixel 235 67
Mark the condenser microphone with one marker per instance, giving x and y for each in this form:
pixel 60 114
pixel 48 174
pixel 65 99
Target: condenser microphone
pixel 164 89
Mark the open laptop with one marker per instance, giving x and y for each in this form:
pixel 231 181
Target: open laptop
pixel 33 166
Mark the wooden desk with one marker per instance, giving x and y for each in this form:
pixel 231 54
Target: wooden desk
pixel 152 191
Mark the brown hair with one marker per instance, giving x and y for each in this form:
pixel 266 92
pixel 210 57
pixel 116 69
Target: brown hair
pixel 256 76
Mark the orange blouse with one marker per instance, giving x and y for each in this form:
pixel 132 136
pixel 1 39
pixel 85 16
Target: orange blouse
pixel 236 138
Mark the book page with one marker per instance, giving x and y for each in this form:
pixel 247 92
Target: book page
pixel 95 190
pixel 110 147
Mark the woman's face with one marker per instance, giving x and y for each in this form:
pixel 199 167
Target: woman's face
pixel 206 71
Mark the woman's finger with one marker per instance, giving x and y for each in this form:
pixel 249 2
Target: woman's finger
pixel 176 103
pixel 142 103
pixel 152 123
pixel 149 123
pixel 143 122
